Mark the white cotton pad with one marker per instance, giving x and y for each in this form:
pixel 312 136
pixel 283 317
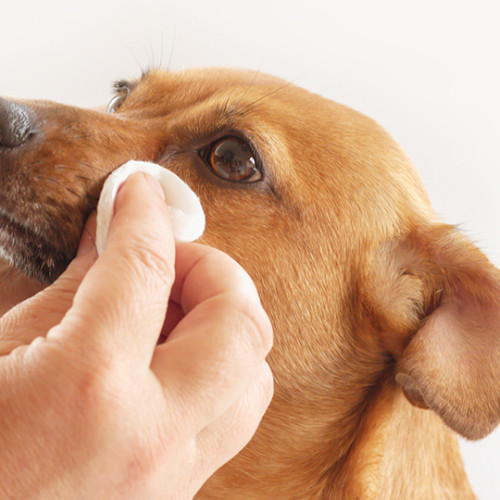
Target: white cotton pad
pixel 184 206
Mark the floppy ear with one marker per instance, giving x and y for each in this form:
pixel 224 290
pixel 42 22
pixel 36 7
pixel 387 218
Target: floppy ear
pixel 450 359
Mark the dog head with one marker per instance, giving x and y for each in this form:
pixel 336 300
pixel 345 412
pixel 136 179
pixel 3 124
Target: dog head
pixel 363 284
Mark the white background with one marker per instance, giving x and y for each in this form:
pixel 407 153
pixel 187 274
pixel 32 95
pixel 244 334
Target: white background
pixel 428 71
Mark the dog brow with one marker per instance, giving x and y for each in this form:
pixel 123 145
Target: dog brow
pixel 229 109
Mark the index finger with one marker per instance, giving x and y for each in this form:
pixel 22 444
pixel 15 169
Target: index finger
pixel 199 276
pixel 215 352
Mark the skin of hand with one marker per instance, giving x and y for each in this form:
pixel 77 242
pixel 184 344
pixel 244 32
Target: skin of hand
pixel 92 406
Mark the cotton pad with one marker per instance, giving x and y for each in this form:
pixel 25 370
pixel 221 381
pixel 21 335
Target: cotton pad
pixel 185 209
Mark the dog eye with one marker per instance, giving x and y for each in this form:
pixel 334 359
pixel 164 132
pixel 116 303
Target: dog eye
pixel 232 159
pixel 116 102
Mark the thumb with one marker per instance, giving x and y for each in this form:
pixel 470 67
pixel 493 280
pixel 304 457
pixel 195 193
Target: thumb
pixel 35 316
pixel 120 306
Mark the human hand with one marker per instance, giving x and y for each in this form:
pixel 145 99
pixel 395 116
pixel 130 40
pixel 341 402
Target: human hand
pixel 91 406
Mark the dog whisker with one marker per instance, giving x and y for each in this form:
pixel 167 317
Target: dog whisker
pixel 58 227
pixel 62 209
pixel 152 54
pixel 7 273
pixel 83 178
pixel 92 167
pixel 69 190
pixel 172 48
pixel 251 476
pixel 298 323
pixel 80 137
pixel 48 179
pixel 251 84
pixel 258 101
pixel 228 111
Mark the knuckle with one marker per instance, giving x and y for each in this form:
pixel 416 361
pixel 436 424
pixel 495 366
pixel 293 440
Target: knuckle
pixel 97 391
pixel 59 296
pixel 150 260
pixel 258 324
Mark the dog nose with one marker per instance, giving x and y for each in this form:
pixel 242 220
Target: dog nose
pixel 16 126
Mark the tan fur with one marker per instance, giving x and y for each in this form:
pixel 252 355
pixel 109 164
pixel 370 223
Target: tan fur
pixel 365 287
pixel 14 287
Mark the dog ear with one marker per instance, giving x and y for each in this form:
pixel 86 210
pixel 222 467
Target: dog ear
pixel 448 360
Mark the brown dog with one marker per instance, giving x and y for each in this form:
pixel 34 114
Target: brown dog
pixel 387 322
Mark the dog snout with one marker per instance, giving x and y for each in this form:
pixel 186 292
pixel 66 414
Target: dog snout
pixel 16 124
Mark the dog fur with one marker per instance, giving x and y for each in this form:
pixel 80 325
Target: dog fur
pixel 387 321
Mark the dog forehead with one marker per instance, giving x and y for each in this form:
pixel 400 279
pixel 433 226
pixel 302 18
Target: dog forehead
pixel 198 82
pixel 163 91
pixel 319 145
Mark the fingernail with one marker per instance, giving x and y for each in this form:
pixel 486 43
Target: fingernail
pixel 155 186
pixel 87 244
